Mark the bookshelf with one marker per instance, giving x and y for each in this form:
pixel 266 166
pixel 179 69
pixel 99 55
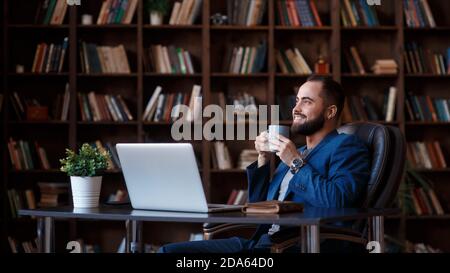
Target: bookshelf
pixel 207 43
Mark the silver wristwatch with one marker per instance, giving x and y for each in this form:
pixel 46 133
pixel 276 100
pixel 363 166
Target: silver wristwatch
pixel 297 163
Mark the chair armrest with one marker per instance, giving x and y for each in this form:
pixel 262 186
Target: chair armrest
pixel 212 229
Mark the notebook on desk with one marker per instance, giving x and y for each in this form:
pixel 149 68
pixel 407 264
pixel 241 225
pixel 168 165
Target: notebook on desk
pixel 165 176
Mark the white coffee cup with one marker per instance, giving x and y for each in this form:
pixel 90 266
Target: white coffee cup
pixel 275 130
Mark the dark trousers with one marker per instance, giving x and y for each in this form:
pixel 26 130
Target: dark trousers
pixel 241 245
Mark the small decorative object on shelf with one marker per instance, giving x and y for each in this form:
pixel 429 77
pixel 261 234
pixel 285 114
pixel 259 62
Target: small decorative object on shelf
pixel 157 9
pixel 86 19
pixel 84 170
pixel 20 68
pixel 219 19
pixel 322 66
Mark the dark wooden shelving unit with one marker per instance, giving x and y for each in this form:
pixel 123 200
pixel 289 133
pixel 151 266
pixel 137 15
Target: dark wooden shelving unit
pixel 385 41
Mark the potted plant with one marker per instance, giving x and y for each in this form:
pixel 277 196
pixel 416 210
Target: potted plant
pixel 157 9
pixel 85 169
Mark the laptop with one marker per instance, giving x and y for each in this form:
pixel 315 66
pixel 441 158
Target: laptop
pixel 165 176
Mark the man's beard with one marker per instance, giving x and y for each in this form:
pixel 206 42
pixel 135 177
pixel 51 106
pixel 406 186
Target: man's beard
pixel 308 127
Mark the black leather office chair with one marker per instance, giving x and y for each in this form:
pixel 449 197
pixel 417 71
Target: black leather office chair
pixel 388 152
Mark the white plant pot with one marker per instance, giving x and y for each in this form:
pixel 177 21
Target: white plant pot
pixel 156 18
pixel 85 191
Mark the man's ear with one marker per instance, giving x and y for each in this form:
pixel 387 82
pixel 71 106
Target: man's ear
pixel 332 111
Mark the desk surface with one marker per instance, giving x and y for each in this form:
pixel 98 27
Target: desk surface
pixel 311 216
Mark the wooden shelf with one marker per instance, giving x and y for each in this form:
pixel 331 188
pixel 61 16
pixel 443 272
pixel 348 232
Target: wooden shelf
pixel 33 26
pixel 108 26
pixel 427 29
pixel 370 29
pixel 239 28
pixel 293 75
pixel 428 217
pixel 36 122
pixel 107 75
pixel 368 75
pixel 173 27
pixel 427 123
pixel 30 74
pixel 108 123
pixel 231 75
pixel 434 76
pixel 291 28
pixel 168 75
pixel 157 123
pixel 36 171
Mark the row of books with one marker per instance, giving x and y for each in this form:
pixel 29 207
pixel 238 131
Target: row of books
pixel 354 63
pixel 238 197
pixel 298 13
pixel 363 108
pixel 358 13
pixel 247 157
pixel 60 111
pixel 385 66
pixel 113 161
pixel 100 107
pixel 159 106
pixel 185 12
pixel 425 108
pixel 418 60
pixel 49 58
pixel 420 248
pixel 51 194
pixel 418 13
pixel 246 12
pixel 103 59
pixel 22 247
pixel 117 12
pixel 220 156
pixel 168 59
pixel 51 12
pixel 425 202
pixel 245 59
pixel 26 156
pixel 426 155
pixel 292 61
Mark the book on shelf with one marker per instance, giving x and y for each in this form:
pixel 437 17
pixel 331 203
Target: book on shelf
pixel 237 197
pixel 51 12
pixel 26 156
pixel 103 107
pixel 166 107
pixel 418 14
pixel 246 12
pixel 425 202
pixel 117 12
pixel 185 12
pixel 424 61
pixel 298 13
pixel 220 156
pixel 385 66
pixel 103 59
pixel 354 63
pixel 113 161
pixel 24 246
pixel 427 155
pixel 168 60
pixel 50 57
pixel 363 108
pixel 20 199
pixel 245 59
pixel 247 157
pixel 425 108
pixel 53 194
pixel 292 61
pixel 358 13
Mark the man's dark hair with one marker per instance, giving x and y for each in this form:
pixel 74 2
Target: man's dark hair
pixel 332 91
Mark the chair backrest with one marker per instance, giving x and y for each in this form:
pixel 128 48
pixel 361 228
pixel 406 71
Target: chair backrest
pixel 387 148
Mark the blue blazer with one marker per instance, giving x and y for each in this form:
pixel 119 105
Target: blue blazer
pixel 336 174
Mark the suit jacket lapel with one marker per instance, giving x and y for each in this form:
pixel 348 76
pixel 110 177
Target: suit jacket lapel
pixel 276 181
